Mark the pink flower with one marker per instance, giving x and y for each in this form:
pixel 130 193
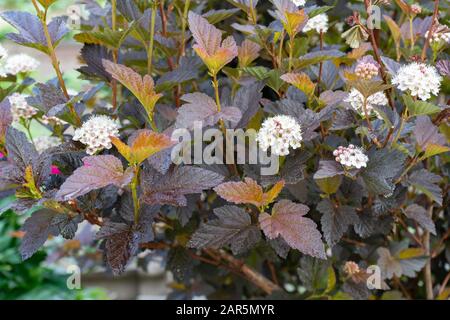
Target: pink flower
pixel 55 170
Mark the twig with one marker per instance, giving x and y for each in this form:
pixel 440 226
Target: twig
pixel 378 57
pixel 444 284
pixel 430 31
pixel 427 270
pixel 255 277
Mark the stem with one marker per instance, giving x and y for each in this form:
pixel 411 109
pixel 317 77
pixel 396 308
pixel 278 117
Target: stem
pixel 430 31
pixel 152 39
pixel 216 91
pixel 427 270
pixel 115 53
pixel 134 184
pixel 291 52
pixel 319 79
pixel 411 32
pixel 280 50
pixel 183 28
pixel 378 57
pixel 55 63
pixel 252 13
pixel 403 119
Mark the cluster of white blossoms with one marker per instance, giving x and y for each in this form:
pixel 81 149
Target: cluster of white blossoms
pixel 46 142
pixel 318 23
pixel 280 133
pixel 419 79
pixel 351 156
pixel 367 68
pixel 356 101
pixel 3 56
pixel 20 109
pixel 20 63
pixel 441 34
pixel 96 132
pixel 50 120
pixel 299 3
pixel 416 9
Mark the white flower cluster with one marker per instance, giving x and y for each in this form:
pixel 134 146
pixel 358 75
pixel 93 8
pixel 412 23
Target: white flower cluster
pixel 416 9
pixel 299 3
pixel 366 70
pixel 440 35
pixel 45 142
pixel 419 79
pixel 351 156
pixel 50 120
pixel 351 268
pixel 96 132
pixel 20 63
pixel 3 56
pixel 356 100
pixel 279 133
pixel 20 109
pixel 318 23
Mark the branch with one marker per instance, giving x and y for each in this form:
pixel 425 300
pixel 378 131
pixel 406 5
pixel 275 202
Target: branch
pixel 427 270
pixel 430 31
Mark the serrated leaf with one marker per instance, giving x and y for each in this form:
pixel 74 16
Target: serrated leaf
pixel 209 46
pixel 427 183
pixel 301 81
pixel 203 109
pixel 233 227
pixel 172 187
pixel 335 220
pixel 420 215
pixel 145 144
pixel 355 36
pixel 143 88
pixel 122 241
pixel 406 262
pixel 216 16
pixel 287 220
pixel 328 169
pixel 31 32
pixel 187 70
pixel 382 167
pixel 93 55
pixel 248 52
pixel 428 138
pixel 395 29
pixel 329 185
pixel 248 191
pixel 97 172
pixel 417 108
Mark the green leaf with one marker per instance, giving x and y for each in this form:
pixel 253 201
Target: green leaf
pixel 216 16
pixel 329 185
pixel 417 108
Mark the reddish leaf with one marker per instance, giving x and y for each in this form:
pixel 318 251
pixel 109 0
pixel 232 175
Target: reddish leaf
pixel 172 187
pixel 248 191
pixel 142 87
pixel 97 172
pixel 214 52
pixel 288 221
pixel 145 144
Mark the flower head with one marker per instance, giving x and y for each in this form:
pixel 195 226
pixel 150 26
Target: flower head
pixel 20 109
pixel 280 133
pixel 96 132
pixel 318 23
pixel 46 142
pixel 440 35
pixel 299 3
pixel 367 68
pixel 351 268
pixel 351 156
pixel 416 9
pixel 20 63
pixel 356 101
pixel 419 79
pixel 51 120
